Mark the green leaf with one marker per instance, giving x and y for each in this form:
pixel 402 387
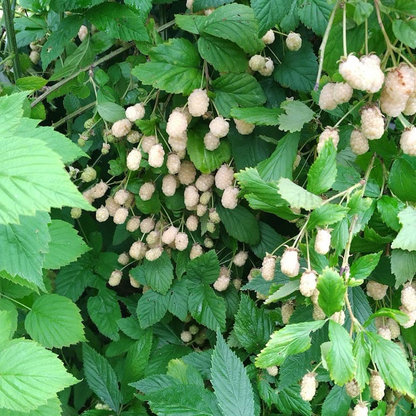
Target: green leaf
pixel 65 245
pixel 51 408
pixel 298 77
pixel 104 311
pixel 362 12
pixel 362 357
pixel 204 269
pixel 323 172
pixel 331 291
pixel 398 316
pixel 24 246
pixel 151 308
pixel 336 403
pixel 391 363
pixel 205 160
pixel 253 326
pixel 405 6
pixel 288 401
pixel 402 180
pixel 7 326
pixel 280 163
pixel 178 299
pixel 315 14
pixel 222 54
pixel 31 83
pixel 236 90
pixel 231 384
pixel 191 23
pixel 406 239
pixel 269 13
pixel 30 375
pixel 54 321
pixel 290 340
pixel 326 215
pixel 206 4
pixel 173 67
pixel 260 116
pixel 101 378
pixel 269 240
pixel 364 266
pixel 159 273
pixel 297 196
pixel 403 266
pixel 236 23
pixel 405 31
pixel 118 21
pixel 111 112
pixel 340 358
pixel 388 208
pixel 240 223
pixel 286 290
pixel 296 115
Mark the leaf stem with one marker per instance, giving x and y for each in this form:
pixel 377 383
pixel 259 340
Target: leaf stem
pixel 11 38
pixel 16 301
pixel 344 29
pixel 74 114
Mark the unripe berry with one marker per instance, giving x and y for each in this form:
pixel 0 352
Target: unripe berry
pixel 268 68
pixel 293 41
pixel 133 282
pixel 308 283
pixel 237 283
pixel 181 241
pixel 120 216
pixel 323 241
pixel 205 198
pixel 196 251
pixel 211 142
pixel 154 253
pixel 76 213
pixel 372 123
pixel 358 142
pixel 133 159
pixel 376 290
pixel 191 196
pixel 148 142
pixel 269 37
pixel 82 33
pixel 135 112
pixel 243 127
pixel 289 264
pixel 201 209
pixel 328 134
pixel 102 214
pixel 240 258
pixel 352 388
pixel 208 243
pixel 34 56
pixel 121 128
pixel 211 227
pixel 147 225
pixel 287 312
pixel 133 137
pixel 137 250
pixel 198 102
pixel 308 387
pixel 224 177
pixel 153 239
pixel 173 163
pixel 88 175
pixel 146 191
pixel 186 336
pixel 105 149
pixel 169 235
pixel 273 371
pixel 177 124
pixel 123 259
pixel 219 127
pixel 256 62
pixel 229 198
pixel 360 409
pixel 268 267
pixel 214 216
pixel 192 223
pixel 408 297
pixel 377 386
pixel 115 278
pixel 187 173
pixel 156 156
pixel 133 224
pixel 189 4
pixel 408 141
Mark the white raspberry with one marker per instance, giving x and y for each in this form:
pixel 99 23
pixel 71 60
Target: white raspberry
pixel 156 156
pixel 196 251
pixel 133 159
pixel 133 282
pixel 326 98
pixel 89 174
pixel 205 197
pixel 187 173
pixel 147 225
pixel 34 56
pixel 222 283
pixel 76 213
pixel 181 153
pixel 376 290
pixel 201 209
pixel 408 297
pixel 120 216
pixel 411 315
pixel 111 205
pixel 329 133
pixel 408 141
pixel 323 241
pixel 318 313
pixel 371 74
pixel 102 214
pixel 214 216
pixel 229 198
pixel 186 336
pixel 392 105
pixel 256 62
pixel 169 185
pixel 394 328
pixel 289 264
pixel 352 388
pixel 146 191
pixel 115 278
pixel 293 41
pixel 123 259
pixel 342 92
pixel 204 182
pixel 237 283
pixel 308 283
pixel 269 37
pixel 287 312
pixel 351 69
pixel 191 196
pixel 99 190
pixel 148 142
pixel 178 143
pixel 377 386
pixel 121 128
pixel 190 4
pixel 177 124
pixel 268 267
pixel 137 250
pixel 211 142
pixel 358 142
pixel 360 409
pixel 308 387
pixel 198 102
pixel 135 112
pixel 133 137
pixel 401 81
pixel 273 371
pixel 219 127
pixel 268 68
pixel 192 223
pixel 169 235
pixel 224 177
pixel 82 33
pixel 153 239
pixel 173 163
pixel 338 317
pixel 121 196
pixel 372 123
pixel 154 253
pixel 240 258
pixel 243 127
pixel 181 241
pixel 133 224
pixel 410 108
pixel 211 227
pixel 384 332
pixel 208 243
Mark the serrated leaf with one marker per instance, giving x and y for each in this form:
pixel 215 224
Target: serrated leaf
pixel 55 321
pixel 26 367
pixel 178 299
pixel 403 266
pixel 362 12
pixel 269 13
pixel 336 403
pixel 151 308
pixel 65 245
pixel 296 114
pixel 111 112
pixel 288 401
pixel 206 4
pixel 292 339
pixel 406 239
pixel 326 215
pixel 159 273
pixel 231 384
pixel 402 180
pixel 398 316
pixel 296 196
pixel 31 83
pixel 286 290
pixel 362 357
pixel 340 358
pixel 260 116
pixel 191 23
pixel 388 207
pixel 331 291
pixel 315 14
pixel 323 172
pixel 204 269
pixel 405 31
pixel 173 67
pixel 51 408
pixel 269 240
pixel 101 378
pixel 364 266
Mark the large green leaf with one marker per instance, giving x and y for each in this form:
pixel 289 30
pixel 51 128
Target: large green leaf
pixel 111 112
pixel 51 408
pixel 288 401
pixel 151 308
pixel 292 339
pixel 340 359
pixel 403 265
pixel 269 240
pixel 297 196
pixel 405 31
pixel 388 207
pixel 336 403
pixel 65 245
pixel 294 116
pixel 326 215
pixel 173 67
pixel 206 4
pixel 204 269
pixel 362 357
pixel 331 291
pixel 402 180
pixel 237 90
pixel 54 321
pixel 406 239
pixel 269 13
pixel 232 386
pixel 363 267
pixel 315 14
pixel 101 377
pixel 30 375
pixel 159 273
pixel 178 299
pixel 260 116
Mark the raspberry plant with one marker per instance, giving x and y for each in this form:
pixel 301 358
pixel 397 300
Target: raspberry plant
pixel 208 207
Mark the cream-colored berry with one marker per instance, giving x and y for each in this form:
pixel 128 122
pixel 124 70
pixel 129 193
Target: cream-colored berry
pixel 173 163
pixel 88 175
pixel 358 142
pixel 351 69
pixel 408 297
pixel 204 182
pixel 256 62
pixel 133 224
pixel 192 223
pixel 133 282
pixel 410 108
pixel 111 206
pixel 229 198
pixel 177 124
pixel 205 198
pixel 201 209
pixel 268 68
pixel 214 216
pixel 153 239
pixel 102 214
pixel 191 196
pixel 198 102
pixel 360 409
pixel 268 267
pixel 133 137
pixel 352 388
pixel 293 41
pixel 186 336
pixel 318 313
pixel 411 315
pixel 211 142
pixel 34 57
pixel 137 250
pixel 82 33
pixel 376 290
pixel 237 283
pixel 196 251
pixel 308 283
pixel 190 4
pixel 289 264
pixel 372 123
pixel 120 216
pixel 394 328
pixel 308 387
pixel 338 317
pixel 224 177
pixel 342 92
pixel 326 98
pixel 181 241
pixel 156 156
pixel 287 312
pixel 243 127
pixel 147 225
pixel 121 196
pixel 133 159
pixel 148 142
pixel 154 253
pixel 273 370
pixel 123 259
pixel 408 141
pixel 329 133
pixel 169 235
pixel 76 213
pixel 147 190
pixel 99 190
pixel 121 128
pixel 208 243
pixel 219 127
pixel 377 386
pixel 187 173
pixel 135 112
pixel 115 278
pixel 269 37
pixel 323 241
pixel 222 283
pixel 169 185
pixel 384 332
pixel 211 227
pixel 240 258
pixel 178 143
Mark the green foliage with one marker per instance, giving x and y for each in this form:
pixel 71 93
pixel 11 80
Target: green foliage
pixel 331 291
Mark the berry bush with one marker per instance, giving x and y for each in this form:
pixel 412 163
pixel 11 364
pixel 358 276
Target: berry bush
pixel 208 207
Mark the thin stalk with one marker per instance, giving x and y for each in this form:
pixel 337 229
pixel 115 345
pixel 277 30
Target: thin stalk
pixel 11 38
pixel 344 29
pixel 74 114
pixel 383 30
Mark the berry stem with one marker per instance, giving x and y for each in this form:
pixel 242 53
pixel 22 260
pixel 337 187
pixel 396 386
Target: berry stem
pixel 74 114
pixel 383 30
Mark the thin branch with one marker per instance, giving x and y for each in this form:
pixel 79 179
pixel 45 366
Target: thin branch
pixel 11 38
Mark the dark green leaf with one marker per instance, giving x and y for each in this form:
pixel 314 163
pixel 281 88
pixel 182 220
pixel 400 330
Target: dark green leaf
pixel 402 180
pixel 269 13
pixel 315 14
pixel 204 269
pixel 361 353
pixel 331 291
pixel 403 265
pixel 405 31
pixel 178 299
pixel 111 112
pixel 363 267
pixel 206 4
pixel 388 208
pixel 269 240
pixel 151 308
pixel 336 403
pixel 159 273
